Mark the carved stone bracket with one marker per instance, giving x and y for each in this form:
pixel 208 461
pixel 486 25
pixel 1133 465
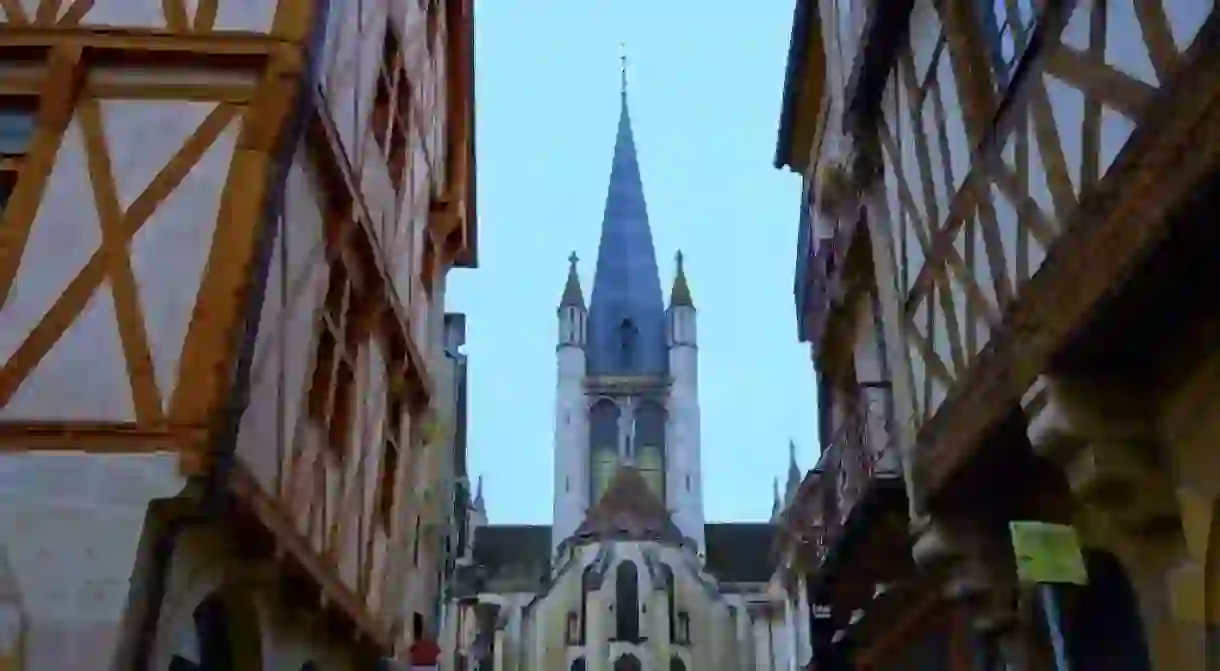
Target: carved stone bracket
pixel 1103 437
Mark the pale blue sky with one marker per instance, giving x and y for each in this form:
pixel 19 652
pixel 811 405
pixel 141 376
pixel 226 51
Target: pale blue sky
pixel 705 85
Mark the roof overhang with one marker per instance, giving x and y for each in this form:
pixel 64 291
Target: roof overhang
pixel 461 123
pixel 804 84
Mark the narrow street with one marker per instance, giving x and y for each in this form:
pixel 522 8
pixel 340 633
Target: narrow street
pixel 280 387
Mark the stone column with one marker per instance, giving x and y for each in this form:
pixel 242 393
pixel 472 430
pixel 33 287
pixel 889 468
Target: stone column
pixel 597 649
pixel 981 576
pixel 658 624
pixel 805 635
pixel 1106 436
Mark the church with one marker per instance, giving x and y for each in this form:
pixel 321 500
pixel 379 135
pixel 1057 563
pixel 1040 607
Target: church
pixel 629 576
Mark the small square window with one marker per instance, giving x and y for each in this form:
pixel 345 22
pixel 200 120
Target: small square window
pixel 18 122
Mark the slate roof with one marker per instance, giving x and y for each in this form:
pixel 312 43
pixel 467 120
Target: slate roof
pixel 628 510
pixel 739 551
pixel 626 283
pixel 513 552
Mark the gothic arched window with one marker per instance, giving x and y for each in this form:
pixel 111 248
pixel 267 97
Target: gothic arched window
pixel 670 600
pixel 586 586
pixel 627 602
pixel 627 336
pixel 676 664
pixel 603 446
pixel 650 446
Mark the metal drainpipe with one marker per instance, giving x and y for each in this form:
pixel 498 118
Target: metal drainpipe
pixel 216 493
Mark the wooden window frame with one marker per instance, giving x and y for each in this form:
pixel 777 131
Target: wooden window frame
pixel 432 10
pixel 343 326
pixel 391 451
pixel 998 36
pixel 390 118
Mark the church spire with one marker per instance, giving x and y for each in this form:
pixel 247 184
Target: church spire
pixel 572 295
pixel 794 474
pixel 679 295
pixel 626 309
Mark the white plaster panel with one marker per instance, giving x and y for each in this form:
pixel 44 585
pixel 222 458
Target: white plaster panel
pixel 65 234
pixel 1125 47
pixel 126 13
pixel 170 252
pixel 248 15
pixel 143 136
pixel 1185 20
pixel 71 524
pixel 57 389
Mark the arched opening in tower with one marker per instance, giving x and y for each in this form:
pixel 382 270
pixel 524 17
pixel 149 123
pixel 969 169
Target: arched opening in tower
pixel 650 446
pixel 603 446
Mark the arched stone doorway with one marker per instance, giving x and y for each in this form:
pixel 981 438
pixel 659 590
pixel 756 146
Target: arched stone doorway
pixel 627 663
pixel 1102 619
pixel 225 636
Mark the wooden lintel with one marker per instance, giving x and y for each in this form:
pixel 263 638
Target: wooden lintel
pixel 22 42
pixel 98 437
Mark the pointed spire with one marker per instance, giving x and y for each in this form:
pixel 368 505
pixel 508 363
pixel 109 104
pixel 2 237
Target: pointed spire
pixel 478 496
pixel 794 473
pixel 680 296
pixel 626 308
pixel 776 506
pixel 572 294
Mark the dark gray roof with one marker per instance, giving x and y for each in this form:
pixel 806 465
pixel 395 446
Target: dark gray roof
pixel 739 551
pixel 514 552
pixel 626 302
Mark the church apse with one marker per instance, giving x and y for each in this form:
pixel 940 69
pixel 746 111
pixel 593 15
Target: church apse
pixel 603 446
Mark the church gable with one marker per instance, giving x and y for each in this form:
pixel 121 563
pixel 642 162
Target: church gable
pixel 628 510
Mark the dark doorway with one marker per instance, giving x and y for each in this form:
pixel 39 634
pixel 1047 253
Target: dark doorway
pixel 1102 619
pixel 226 638
pixel 627 663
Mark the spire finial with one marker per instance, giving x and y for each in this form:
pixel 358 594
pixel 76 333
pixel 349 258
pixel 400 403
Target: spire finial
pixel 678 259
pixel 623 68
pixel 573 258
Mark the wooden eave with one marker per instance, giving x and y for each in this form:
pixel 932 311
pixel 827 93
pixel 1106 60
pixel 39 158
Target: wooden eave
pixel 1118 222
pixel 804 86
pixel 462 187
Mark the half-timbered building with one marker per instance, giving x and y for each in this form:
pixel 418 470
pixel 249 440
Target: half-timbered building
pixel 225 408
pixel 1005 225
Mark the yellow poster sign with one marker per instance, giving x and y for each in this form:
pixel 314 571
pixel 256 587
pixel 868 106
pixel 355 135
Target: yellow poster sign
pixel 1047 553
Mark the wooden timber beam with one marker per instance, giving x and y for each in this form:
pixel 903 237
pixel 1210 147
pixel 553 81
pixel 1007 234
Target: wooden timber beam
pixel 97 437
pixel 149 45
pixel 271 514
pixel 1117 223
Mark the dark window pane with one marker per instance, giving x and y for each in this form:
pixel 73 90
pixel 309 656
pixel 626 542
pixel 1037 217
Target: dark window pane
pixel 16 129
